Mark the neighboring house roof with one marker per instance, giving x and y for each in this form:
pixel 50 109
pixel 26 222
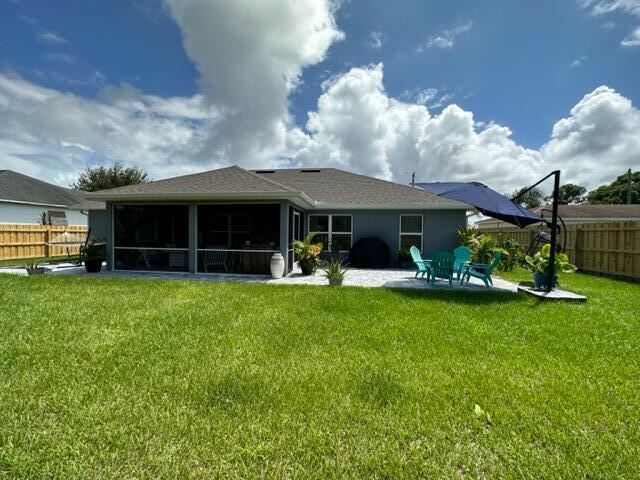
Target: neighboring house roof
pixel 585 213
pixel 314 188
pixel 593 211
pixel 18 188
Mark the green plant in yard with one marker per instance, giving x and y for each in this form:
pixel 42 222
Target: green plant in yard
pixel 32 267
pixel 308 253
pixel 468 237
pixel 334 270
pixel 403 255
pixel 541 262
pixel 485 249
pixel 514 252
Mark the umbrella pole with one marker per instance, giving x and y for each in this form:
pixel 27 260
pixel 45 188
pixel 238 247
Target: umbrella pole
pixel 554 230
pixel 554 222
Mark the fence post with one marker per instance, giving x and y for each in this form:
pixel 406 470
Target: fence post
pixel 577 254
pixel 47 232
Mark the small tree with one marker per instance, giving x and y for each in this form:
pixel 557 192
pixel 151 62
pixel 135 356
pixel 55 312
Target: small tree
pixel 531 199
pixel 117 175
pixel 44 218
pixel 569 194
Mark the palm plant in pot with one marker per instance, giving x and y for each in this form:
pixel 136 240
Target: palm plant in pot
pixel 92 255
pixel 334 270
pixel 308 253
pixel 539 264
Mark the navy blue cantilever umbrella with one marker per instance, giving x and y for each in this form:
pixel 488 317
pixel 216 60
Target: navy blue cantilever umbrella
pixel 487 201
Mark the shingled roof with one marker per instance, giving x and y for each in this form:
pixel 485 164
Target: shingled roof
pixel 316 188
pixel 333 187
pixel 19 188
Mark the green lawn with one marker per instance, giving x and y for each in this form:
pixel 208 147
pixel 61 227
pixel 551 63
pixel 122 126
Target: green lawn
pixel 113 378
pixel 20 262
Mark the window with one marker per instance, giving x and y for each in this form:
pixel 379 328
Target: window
pixel 334 231
pixel 411 231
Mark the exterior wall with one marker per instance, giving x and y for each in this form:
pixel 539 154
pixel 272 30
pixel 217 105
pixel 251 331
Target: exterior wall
pixel 30 214
pixel 100 225
pixel 439 227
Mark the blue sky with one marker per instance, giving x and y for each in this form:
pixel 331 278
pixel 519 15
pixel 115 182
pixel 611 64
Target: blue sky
pixel 521 65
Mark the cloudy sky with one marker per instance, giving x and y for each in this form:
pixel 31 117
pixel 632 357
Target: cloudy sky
pixel 499 91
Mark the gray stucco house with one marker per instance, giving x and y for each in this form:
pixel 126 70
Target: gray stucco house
pixel 23 200
pixel 233 220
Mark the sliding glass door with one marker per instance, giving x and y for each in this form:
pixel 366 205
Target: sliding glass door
pixel 151 237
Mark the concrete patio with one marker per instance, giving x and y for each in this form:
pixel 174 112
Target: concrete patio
pixel 389 278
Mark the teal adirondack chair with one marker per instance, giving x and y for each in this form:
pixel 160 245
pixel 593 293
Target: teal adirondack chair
pixel 482 271
pixel 442 267
pixel 422 266
pixel 461 256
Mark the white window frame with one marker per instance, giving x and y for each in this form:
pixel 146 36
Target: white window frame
pixel 330 232
pixel 401 233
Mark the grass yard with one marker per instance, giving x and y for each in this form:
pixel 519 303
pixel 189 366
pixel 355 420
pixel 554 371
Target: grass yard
pixel 20 262
pixel 114 378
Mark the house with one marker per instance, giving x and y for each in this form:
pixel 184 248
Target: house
pixel 24 200
pixel 577 214
pixel 234 220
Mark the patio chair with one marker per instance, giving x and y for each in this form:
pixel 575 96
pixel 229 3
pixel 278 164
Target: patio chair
pixel 215 260
pixel 442 267
pixel 461 256
pixel 422 266
pixel 482 271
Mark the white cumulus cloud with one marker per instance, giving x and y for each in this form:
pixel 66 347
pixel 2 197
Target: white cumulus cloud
pixel 250 56
pixel 358 126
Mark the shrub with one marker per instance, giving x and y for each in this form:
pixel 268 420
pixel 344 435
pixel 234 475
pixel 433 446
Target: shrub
pixel 468 237
pixel 403 255
pixel 512 252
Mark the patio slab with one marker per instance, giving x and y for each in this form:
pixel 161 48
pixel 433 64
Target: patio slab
pixel 361 277
pixel 555 294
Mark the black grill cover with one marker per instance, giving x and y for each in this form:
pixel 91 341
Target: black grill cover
pixel 369 252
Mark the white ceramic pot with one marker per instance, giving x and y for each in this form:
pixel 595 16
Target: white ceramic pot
pixel 277 265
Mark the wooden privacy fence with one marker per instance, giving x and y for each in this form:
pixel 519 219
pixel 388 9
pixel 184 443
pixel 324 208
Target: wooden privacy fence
pixel 612 248
pixel 27 241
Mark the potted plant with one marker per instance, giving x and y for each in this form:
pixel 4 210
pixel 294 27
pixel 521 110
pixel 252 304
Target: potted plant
pixel 539 264
pixel 308 253
pixel 32 267
pixel 404 257
pixel 334 270
pixel 93 255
